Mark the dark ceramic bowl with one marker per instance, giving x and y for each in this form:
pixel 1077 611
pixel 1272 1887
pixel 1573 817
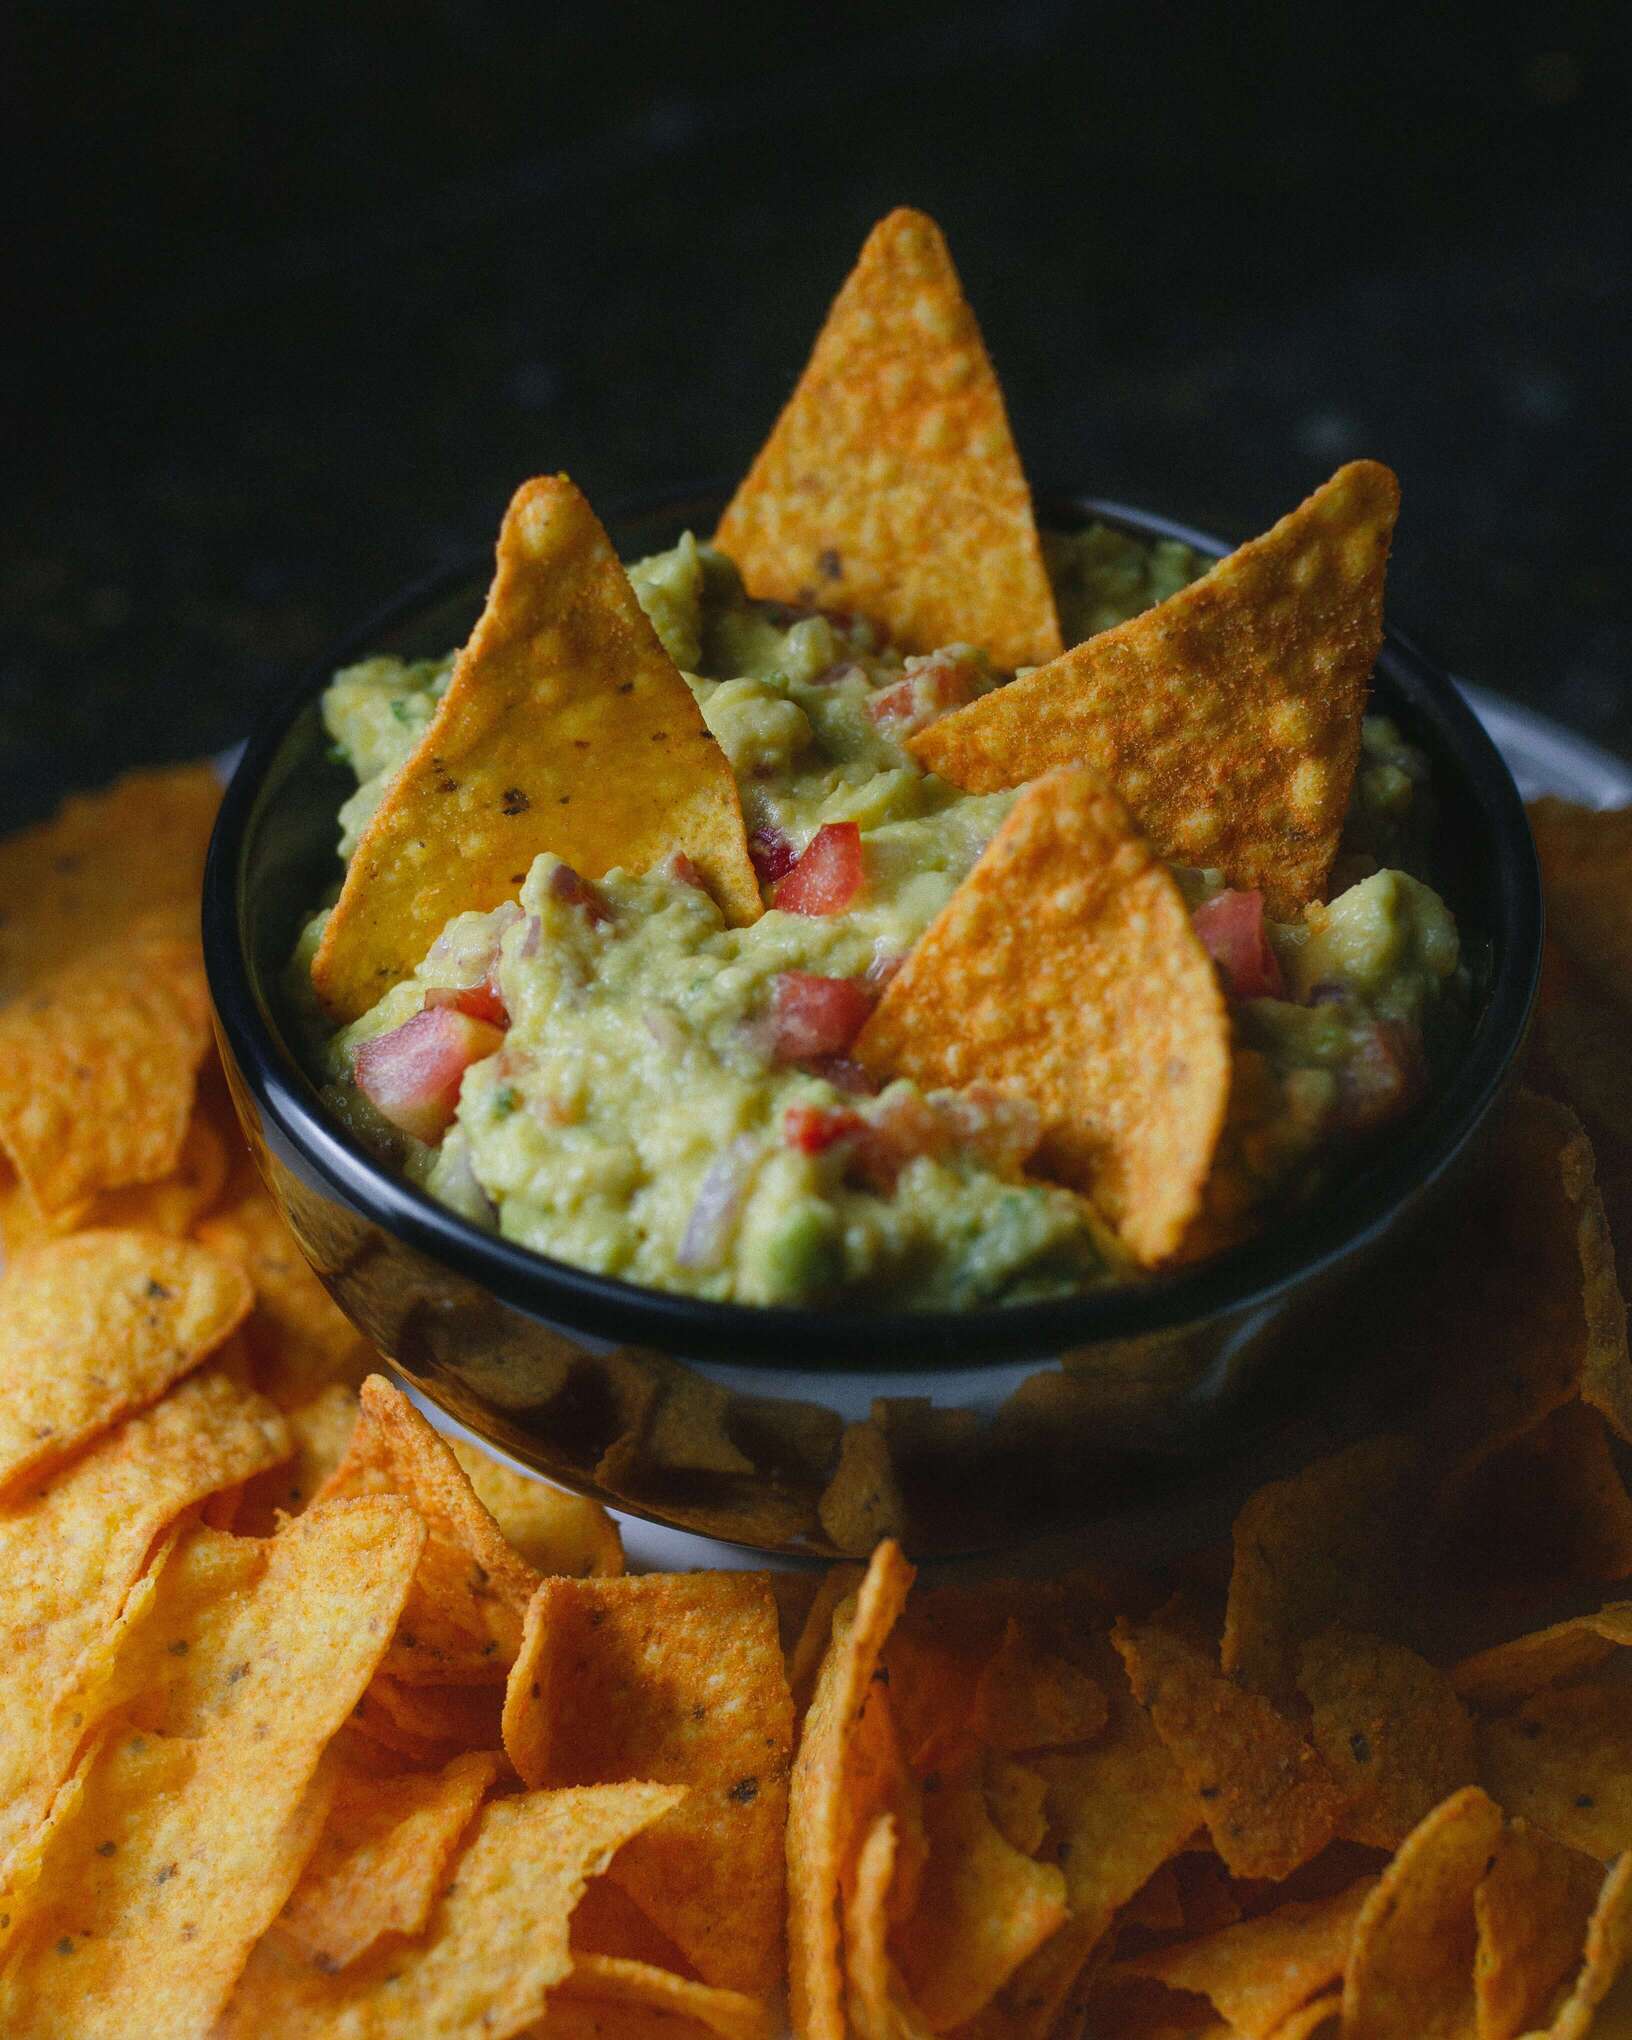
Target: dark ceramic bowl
pixel 816 1430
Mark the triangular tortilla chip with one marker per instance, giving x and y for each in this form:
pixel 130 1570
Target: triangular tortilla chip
pixel 1066 963
pixel 890 483
pixel 566 727
pixel 1228 717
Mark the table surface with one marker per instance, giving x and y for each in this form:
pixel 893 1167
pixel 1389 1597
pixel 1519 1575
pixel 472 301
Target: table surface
pixel 305 292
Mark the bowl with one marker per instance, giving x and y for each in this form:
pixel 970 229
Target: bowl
pixel 815 1431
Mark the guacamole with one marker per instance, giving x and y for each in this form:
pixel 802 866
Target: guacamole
pixel 620 1080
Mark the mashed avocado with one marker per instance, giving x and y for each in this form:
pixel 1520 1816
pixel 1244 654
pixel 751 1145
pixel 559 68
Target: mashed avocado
pixel 664 1098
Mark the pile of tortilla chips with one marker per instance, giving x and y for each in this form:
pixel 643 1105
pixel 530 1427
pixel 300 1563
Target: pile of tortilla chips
pixel 312 1723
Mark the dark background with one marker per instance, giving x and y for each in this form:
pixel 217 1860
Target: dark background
pixel 302 292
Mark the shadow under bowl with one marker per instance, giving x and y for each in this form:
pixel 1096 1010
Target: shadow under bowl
pixel 815 1431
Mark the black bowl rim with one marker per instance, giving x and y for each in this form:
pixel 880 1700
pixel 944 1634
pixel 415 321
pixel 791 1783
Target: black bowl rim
pixel 1339 1223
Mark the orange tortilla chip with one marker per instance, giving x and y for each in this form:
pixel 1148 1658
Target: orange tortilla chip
pixel 1532 1910
pixel 1066 963
pixel 1411 1962
pixel 616 1980
pixel 73 1547
pixel 1391 1729
pixel 320 1431
pixel 173 1204
pixel 1586 868
pixel 104 859
pixel 821 1837
pixel 98 1063
pixel 97 1325
pixel 1509 1672
pixel 1031 1698
pixel 554 1532
pixel 463 1619
pixel 1607 1956
pixel 1228 717
pixel 890 483
pixel 302 1340
pixel 566 728
pixel 1564 1763
pixel 878 2002
pixel 496 1944
pixel 1259 1973
pixel 1269 1800
pixel 384 1855
pixel 676 1677
pixel 983 1908
pixel 175 1846
pixel 1017 1800
pixel 1324 1545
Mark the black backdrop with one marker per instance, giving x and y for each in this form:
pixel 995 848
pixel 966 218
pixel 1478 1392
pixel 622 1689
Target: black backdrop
pixel 302 291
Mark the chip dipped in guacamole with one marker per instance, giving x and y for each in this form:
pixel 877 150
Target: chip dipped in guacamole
pixel 714 924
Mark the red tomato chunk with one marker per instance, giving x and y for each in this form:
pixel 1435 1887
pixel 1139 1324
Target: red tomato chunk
pixel 932 687
pixel 412 1075
pixel 812 1129
pixel 479 1002
pixel 1383 1078
pixel 773 855
pixel 1232 931
pixel 815 1016
pixel 827 876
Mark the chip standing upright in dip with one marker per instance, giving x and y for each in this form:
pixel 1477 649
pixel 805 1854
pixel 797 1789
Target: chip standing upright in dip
pixel 611 1057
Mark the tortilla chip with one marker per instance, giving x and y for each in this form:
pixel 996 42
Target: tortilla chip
pixel 566 728
pixel 834 1588
pixel 1411 1962
pixel 1608 1953
pixel 1260 1972
pixel 616 1980
pixel 1032 1698
pixel 676 1677
pixel 463 1619
pixel 172 1205
pixel 181 1842
pixel 320 1431
pixel 302 1341
pixel 97 1325
pixel 98 1062
pixel 1134 2008
pixel 1227 717
pixel 1391 1729
pixel 1016 1799
pixel 890 484
pixel 1312 2019
pixel 497 1941
pixel 983 1908
pixel 879 2006
pixel 820 1828
pixel 1564 1763
pixel 1117 1812
pixel 552 1531
pixel 1509 1672
pixel 862 1502
pixel 1066 963
pixel 73 1547
pixel 1586 868
pixel 104 859
pixel 1268 1799
pixel 1325 1545
pixel 383 1857
pixel 1532 1909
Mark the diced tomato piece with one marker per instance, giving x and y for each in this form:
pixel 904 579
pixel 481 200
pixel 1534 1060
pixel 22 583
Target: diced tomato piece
pixel 813 1016
pixel 773 855
pixel 827 876
pixel 813 1129
pixel 680 868
pixel 1383 1078
pixel 567 885
pixel 930 688
pixel 480 1002
pixel 1232 931
pixel 412 1075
